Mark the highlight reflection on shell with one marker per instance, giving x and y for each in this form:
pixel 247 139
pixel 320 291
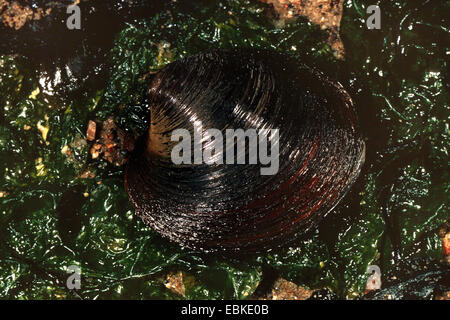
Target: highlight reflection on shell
pixel 233 207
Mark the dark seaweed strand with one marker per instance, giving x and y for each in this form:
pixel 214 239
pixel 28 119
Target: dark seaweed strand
pixel 234 207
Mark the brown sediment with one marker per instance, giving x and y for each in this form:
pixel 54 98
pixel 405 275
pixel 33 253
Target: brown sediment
pixel 325 13
pixel 15 15
pixel 286 290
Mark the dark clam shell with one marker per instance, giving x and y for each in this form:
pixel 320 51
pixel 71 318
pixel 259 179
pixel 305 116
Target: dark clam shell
pixel 233 207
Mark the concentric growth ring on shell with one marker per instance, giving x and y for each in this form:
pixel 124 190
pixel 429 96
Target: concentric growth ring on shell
pixel 232 207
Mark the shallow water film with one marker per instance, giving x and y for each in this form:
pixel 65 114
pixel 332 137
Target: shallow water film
pixel 61 209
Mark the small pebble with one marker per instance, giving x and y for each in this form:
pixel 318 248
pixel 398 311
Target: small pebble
pixel 92 128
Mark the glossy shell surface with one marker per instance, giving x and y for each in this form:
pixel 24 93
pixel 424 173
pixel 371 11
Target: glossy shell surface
pixel 233 207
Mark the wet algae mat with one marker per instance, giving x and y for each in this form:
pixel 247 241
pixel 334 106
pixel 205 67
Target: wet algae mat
pixel 52 218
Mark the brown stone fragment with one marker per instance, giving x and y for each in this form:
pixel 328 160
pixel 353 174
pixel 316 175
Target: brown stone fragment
pixel 174 282
pixel 444 235
pixel 87 175
pixel 286 290
pixel 91 130
pixel 112 144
